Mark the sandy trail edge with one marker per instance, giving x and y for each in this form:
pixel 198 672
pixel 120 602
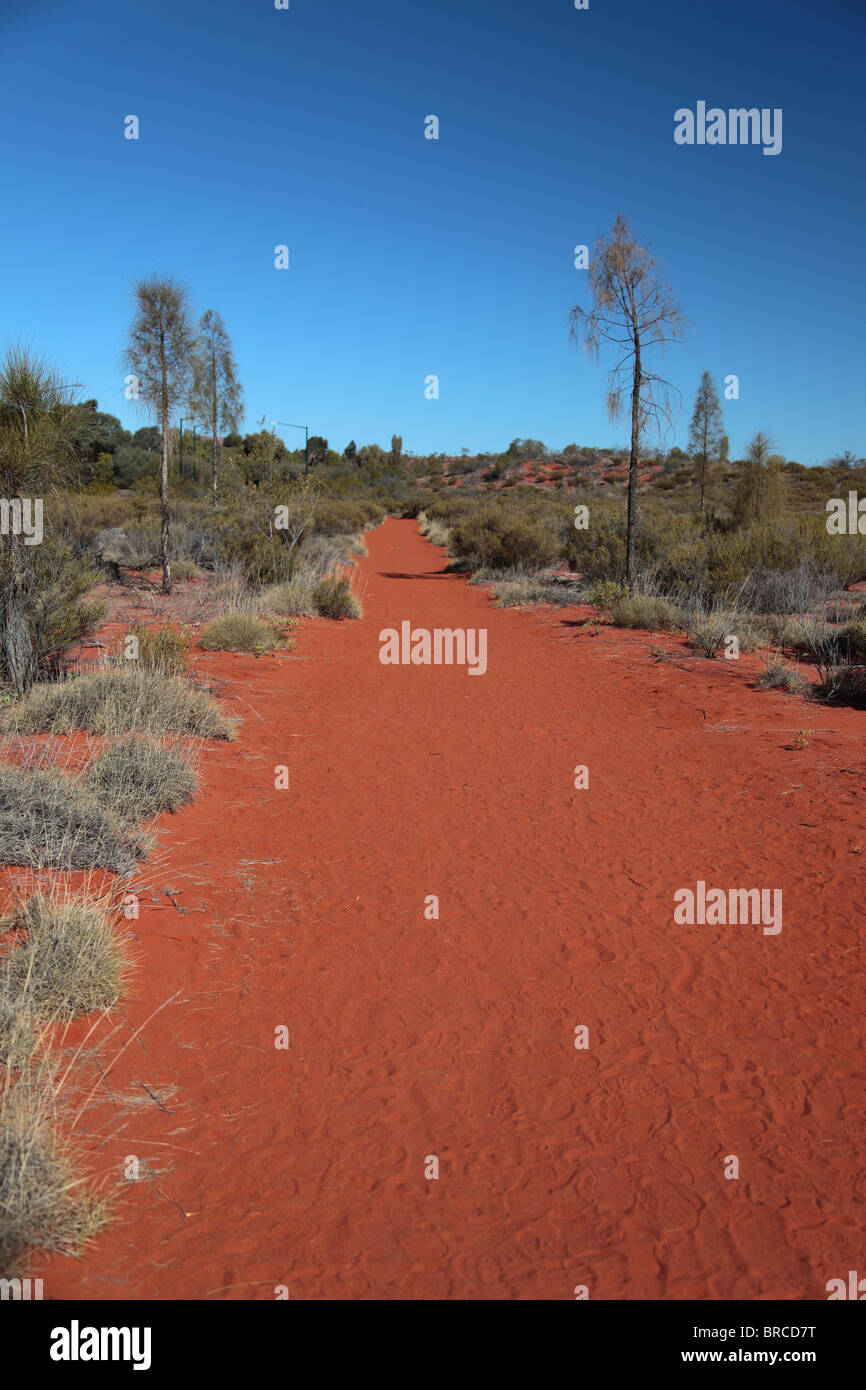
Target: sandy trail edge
pixel 455 1037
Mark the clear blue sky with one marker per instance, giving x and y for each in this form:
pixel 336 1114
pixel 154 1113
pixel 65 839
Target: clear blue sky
pixel 411 257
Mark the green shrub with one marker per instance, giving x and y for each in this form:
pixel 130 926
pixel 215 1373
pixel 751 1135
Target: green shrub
pixel 500 538
pixel 333 598
pixel 605 593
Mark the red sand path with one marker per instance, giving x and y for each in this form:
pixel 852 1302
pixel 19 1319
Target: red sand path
pixel 409 1037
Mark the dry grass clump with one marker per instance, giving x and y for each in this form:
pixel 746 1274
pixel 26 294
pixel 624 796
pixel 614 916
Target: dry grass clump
pixel 333 598
pixel 294 598
pixel 117 701
pixel 42 1205
pixel 166 649
pixel 650 612
pixel 140 779
pixel 777 675
pixel 240 632
pixel 186 569
pixel 48 820
pixel 64 961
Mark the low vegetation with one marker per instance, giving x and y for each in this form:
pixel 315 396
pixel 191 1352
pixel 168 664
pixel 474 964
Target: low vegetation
pixel 139 778
pixel 119 700
pixel 49 820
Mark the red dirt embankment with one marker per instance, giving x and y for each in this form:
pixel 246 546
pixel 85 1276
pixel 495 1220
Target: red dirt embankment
pixel 409 1037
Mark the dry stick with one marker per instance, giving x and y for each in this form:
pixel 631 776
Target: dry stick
pixel 119 1054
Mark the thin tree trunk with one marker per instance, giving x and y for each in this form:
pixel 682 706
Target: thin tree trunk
pixel 632 468
pixel 215 455
pixel 163 491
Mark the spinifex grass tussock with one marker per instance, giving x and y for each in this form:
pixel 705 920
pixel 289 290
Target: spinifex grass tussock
pixel 120 700
pixel 165 649
pixel 140 778
pixel 292 599
pixel 240 632
pixel 48 820
pixel 42 1203
pixel 63 958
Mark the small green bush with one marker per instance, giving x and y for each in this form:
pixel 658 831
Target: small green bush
pixel 333 598
pixel 503 538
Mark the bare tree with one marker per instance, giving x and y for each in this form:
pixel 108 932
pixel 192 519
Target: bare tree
pixel 159 355
pixel 635 310
pixel 216 393
pixel 706 431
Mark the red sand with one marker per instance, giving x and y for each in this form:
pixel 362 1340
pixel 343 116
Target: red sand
pixel 455 1038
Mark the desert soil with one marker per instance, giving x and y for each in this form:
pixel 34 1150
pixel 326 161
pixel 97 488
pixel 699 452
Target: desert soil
pixel 412 1038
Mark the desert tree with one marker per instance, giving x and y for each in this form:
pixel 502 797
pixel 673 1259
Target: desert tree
pixel 159 354
pixel 396 450
pixel 634 310
pixel 759 496
pixel 40 435
pixel 706 431
pixel 215 393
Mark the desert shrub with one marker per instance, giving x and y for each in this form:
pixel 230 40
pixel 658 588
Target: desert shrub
pixel 294 598
pixel 116 701
pixel 335 516
pixel 42 1205
pixel 709 627
pixel 599 552
pixel 139 779
pixel 333 598
pixel 69 961
pixel 186 569
pixel 776 675
pixel 501 538
pixel 652 612
pixel 48 820
pixel 606 592
pixel 787 591
pixel 51 583
pixel 166 649
pixel 436 532
pixel 854 636
pixel 239 632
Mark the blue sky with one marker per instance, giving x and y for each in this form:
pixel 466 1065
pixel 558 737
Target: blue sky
pixel 412 257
